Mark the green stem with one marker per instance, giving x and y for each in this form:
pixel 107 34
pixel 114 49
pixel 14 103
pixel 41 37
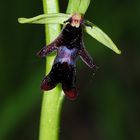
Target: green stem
pixel 52 100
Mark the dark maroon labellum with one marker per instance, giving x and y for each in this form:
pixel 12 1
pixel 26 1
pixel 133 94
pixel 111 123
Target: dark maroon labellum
pixel 69 45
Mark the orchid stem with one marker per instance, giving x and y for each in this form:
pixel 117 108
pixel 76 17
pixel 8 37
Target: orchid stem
pixel 52 100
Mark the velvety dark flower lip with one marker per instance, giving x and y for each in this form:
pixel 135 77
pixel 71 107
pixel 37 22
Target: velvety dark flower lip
pixel 68 45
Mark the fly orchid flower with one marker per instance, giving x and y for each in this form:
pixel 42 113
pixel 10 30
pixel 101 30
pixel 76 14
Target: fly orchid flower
pixel 68 45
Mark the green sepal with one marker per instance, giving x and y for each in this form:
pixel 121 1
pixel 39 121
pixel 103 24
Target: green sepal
pixel 100 36
pixel 73 6
pixel 84 4
pixel 57 18
pixel 78 6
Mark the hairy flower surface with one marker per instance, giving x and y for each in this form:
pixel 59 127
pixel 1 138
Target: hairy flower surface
pixel 69 45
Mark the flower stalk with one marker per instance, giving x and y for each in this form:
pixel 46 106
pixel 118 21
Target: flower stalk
pixel 52 100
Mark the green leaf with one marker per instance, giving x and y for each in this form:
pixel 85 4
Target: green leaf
pixel 57 18
pixel 99 35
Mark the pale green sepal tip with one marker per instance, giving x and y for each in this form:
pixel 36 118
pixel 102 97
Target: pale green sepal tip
pixel 73 6
pixel 78 6
pixel 100 36
pixel 84 4
pixel 57 18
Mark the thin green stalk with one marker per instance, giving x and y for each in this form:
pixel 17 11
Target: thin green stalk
pixel 52 100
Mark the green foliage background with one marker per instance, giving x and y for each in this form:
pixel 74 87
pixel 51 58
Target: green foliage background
pixel 108 106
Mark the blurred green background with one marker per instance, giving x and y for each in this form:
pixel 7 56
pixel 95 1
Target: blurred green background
pixel 108 106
